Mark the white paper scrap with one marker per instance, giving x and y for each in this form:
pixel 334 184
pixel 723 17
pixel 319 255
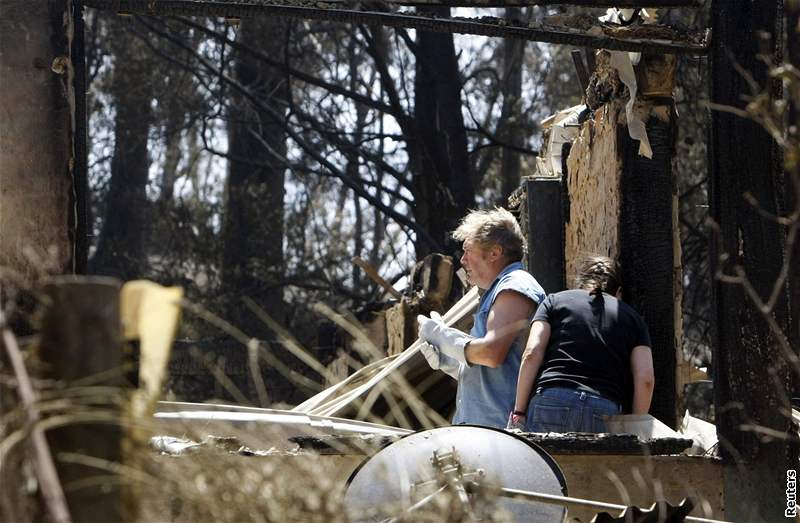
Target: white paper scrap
pixel 621 61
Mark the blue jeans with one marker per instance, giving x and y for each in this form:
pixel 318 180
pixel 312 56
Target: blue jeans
pixel 568 410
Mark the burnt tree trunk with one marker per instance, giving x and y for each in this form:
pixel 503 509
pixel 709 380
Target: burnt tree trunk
pixel 751 373
pixel 512 132
pixel 253 229
pixel 646 251
pixel 121 247
pixel 442 185
pixel 253 263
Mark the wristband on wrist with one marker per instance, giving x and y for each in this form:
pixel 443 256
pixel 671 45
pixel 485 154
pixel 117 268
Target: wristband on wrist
pixel 519 413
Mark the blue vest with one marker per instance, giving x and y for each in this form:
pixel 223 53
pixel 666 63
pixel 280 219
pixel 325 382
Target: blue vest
pixel 486 395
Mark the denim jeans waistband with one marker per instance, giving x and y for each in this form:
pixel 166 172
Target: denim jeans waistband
pixel 541 390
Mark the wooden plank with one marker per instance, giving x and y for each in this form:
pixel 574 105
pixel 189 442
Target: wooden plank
pixel 360 376
pixel 372 273
pixel 580 68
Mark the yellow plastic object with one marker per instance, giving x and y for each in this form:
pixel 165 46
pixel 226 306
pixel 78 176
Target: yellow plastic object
pixel 150 313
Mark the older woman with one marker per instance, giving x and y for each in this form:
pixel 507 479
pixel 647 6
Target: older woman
pixel 584 345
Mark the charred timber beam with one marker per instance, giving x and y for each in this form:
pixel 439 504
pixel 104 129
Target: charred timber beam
pixel 601 36
pixel 646 247
pixel 544 219
pixel 567 443
pixel 202 4
pixel 580 69
pixel 544 3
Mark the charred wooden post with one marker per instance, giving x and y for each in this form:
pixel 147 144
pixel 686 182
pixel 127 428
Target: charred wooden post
pixel 81 349
pixel 580 68
pixel 373 273
pixel 647 252
pixel 793 195
pixel 649 235
pixel 753 364
pixel 36 143
pixel 539 205
pixel 622 204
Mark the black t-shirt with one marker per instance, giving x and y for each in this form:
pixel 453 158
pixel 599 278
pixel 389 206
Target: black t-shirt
pixel 591 341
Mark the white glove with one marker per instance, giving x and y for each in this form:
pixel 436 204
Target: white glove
pixel 451 342
pixel 439 361
pixel 516 422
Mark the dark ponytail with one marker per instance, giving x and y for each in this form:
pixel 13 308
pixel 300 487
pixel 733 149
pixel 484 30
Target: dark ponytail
pixel 599 274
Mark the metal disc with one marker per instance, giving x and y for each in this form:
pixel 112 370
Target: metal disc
pixel 424 472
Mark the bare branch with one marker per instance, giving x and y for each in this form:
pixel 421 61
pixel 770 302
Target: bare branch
pixel 45 467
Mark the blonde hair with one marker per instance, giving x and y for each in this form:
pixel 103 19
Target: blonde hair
pixel 493 226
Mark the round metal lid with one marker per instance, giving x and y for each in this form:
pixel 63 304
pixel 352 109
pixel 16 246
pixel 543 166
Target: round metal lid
pixel 454 472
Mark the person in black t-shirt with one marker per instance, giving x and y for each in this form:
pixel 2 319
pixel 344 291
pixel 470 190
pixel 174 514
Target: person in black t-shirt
pixel 584 345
